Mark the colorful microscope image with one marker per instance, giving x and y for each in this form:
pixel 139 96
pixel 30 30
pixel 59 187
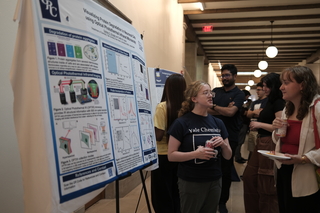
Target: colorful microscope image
pixel 83 97
pixel 65 144
pixel 93 89
pixel 89 136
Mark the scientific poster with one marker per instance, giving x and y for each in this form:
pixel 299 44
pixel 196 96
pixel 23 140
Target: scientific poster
pixel 95 89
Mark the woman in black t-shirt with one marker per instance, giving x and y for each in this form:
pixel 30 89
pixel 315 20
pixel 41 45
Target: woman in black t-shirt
pixel 260 195
pixel 199 170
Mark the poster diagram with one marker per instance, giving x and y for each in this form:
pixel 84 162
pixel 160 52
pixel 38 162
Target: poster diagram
pixel 70 45
pixel 125 139
pixel 89 136
pixel 104 135
pixel 145 109
pixel 147 134
pixel 117 61
pixel 91 52
pixel 118 108
pixel 77 91
pixel 65 142
pixel 122 107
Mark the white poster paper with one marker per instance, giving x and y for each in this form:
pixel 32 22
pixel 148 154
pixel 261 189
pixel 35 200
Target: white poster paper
pixel 95 90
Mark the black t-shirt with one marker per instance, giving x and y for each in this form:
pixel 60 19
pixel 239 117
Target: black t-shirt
pixel 267 115
pixel 243 113
pixel 193 130
pixel 223 98
pixel 262 103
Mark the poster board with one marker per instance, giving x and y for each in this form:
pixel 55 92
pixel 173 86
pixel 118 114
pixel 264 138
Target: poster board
pixel 157 80
pixel 95 97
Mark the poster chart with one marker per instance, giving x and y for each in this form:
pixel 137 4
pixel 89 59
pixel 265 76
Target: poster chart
pixel 94 82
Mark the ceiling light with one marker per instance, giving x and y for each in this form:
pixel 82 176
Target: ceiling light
pixel 241 84
pixel 247 88
pixel 263 64
pixel 250 82
pixel 220 66
pixel 200 5
pixel 271 51
pixel 250 73
pixel 257 73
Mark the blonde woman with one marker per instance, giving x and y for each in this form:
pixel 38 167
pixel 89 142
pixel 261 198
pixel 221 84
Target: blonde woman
pixel 199 169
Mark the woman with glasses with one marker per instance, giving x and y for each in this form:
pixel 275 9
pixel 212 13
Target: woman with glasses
pixel 198 141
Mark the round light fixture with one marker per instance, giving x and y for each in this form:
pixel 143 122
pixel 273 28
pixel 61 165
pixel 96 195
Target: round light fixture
pixel 247 88
pixel 250 82
pixel 271 51
pixel 263 65
pixel 257 73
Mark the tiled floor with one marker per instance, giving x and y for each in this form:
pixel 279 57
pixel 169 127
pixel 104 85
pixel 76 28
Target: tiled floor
pixel 129 204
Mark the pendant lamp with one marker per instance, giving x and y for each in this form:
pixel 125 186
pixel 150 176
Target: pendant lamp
pixel 271 51
pixel 263 64
pixel 250 82
pixel 257 73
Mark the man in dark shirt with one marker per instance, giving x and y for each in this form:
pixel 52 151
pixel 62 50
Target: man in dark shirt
pixel 228 101
pixel 245 127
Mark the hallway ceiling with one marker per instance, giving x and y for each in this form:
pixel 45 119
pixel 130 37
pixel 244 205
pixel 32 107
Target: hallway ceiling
pixel 241 26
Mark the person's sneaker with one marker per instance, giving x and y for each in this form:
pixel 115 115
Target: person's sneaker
pixel 223 208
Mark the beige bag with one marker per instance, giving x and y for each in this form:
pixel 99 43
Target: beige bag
pixel 316 139
pixel 252 140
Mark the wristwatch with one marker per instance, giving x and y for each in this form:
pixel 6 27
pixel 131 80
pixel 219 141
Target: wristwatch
pixel 303 159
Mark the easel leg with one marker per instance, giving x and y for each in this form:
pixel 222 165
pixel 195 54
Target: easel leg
pixel 145 190
pixel 117 197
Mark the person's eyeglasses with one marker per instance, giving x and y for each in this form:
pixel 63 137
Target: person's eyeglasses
pixel 259 89
pixel 226 76
pixel 208 93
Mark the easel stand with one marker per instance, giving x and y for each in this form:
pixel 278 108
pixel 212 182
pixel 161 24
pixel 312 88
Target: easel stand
pixel 143 186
